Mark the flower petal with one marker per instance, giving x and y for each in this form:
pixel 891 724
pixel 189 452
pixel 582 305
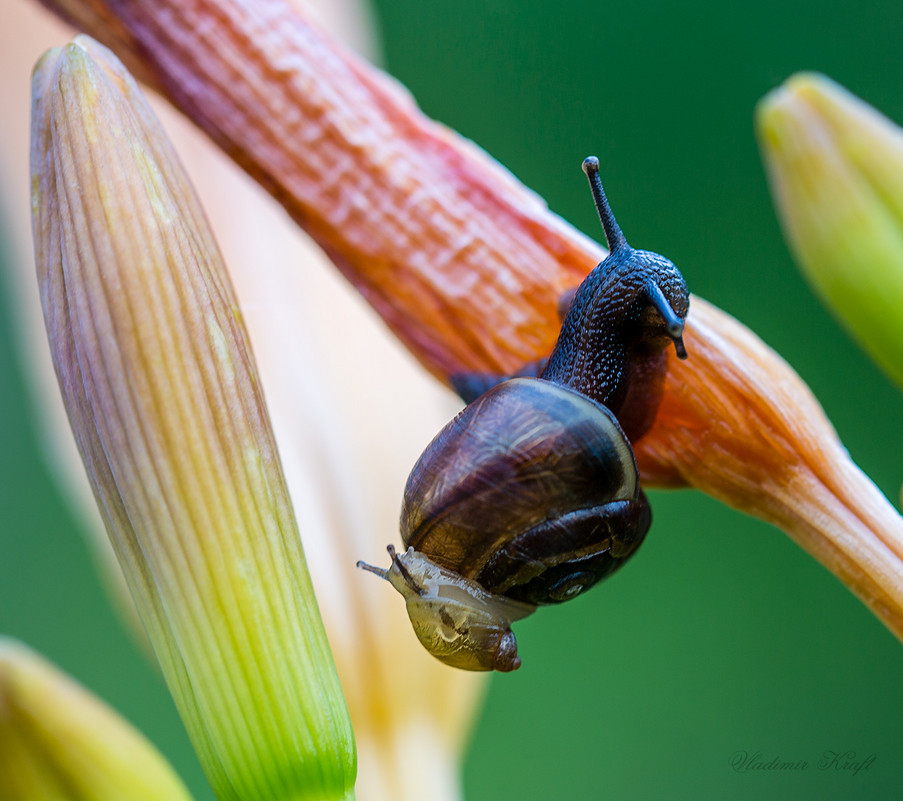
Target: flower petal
pixel 464 263
pixel 741 425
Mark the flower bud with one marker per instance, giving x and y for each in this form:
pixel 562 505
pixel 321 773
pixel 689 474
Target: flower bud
pixel 57 740
pixel 836 171
pixel 163 396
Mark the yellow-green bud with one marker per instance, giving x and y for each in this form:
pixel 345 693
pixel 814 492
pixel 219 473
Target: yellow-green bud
pixel 60 742
pixel 836 171
pixel 162 394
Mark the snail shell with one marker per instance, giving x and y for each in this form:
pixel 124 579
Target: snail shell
pixel 532 491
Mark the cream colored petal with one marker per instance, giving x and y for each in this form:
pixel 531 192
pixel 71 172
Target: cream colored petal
pixel 58 741
pixel 164 400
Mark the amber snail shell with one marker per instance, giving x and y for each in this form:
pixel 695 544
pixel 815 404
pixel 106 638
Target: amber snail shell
pixel 532 491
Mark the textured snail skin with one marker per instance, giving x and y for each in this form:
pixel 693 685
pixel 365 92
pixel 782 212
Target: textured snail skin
pixel 613 340
pixel 612 345
pixel 531 491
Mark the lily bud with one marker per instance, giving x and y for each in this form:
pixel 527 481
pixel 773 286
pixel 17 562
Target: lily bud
pixel 163 397
pixel 57 740
pixel 836 171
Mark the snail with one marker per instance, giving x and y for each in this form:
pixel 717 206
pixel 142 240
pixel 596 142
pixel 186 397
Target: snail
pixel 531 495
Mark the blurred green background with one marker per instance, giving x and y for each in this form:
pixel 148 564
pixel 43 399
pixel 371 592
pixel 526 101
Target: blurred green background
pixel 722 636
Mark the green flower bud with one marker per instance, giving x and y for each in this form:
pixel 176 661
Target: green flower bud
pixel 58 741
pixel 163 397
pixel 836 171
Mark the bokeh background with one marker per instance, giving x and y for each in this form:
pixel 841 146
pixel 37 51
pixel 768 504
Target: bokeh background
pixel 722 636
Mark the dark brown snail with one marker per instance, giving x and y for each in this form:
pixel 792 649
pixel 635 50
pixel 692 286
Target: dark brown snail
pixel 531 495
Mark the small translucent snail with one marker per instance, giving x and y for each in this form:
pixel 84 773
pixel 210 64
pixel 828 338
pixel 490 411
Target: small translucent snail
pixel 531 495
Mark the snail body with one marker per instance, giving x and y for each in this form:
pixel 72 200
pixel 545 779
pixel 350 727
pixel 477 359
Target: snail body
pixel 531 495
pixel 456 619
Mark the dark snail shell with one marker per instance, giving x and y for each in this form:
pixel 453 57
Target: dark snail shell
pixel 532 491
